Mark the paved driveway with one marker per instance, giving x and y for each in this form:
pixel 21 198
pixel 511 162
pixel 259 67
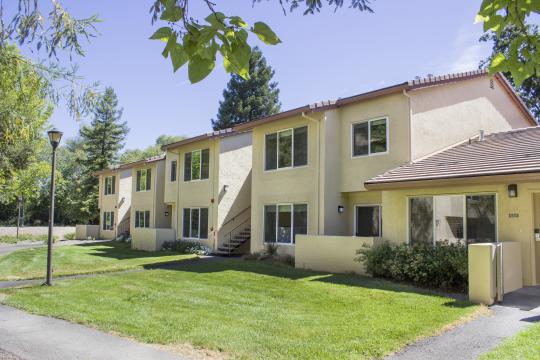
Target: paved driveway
pixel 31 337
pixel 518 310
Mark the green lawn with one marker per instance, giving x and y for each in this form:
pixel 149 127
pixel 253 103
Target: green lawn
pixel 523 346
pixel 80 259
pixel 8 239
pixel 250 309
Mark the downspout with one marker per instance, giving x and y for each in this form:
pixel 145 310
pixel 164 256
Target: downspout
pixel 318 169
pixel 410 123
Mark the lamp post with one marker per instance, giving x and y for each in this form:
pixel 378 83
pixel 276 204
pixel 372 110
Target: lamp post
pixel 54 138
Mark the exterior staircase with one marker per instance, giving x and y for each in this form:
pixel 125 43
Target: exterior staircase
pixel 235 240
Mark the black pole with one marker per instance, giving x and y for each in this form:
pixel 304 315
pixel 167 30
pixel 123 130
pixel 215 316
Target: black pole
pixel 48 281
pixel 18 216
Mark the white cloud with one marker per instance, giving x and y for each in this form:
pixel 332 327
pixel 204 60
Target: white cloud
pixel 468 51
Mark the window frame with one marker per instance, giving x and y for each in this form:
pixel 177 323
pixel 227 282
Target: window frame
pixel 292 129
pixel 137 214
pixel 199 224
pixel 146 188
pixel 105 187
pixel 173 176
pixel 464 197
pixel 105 226
pixel 200 163
pixel 356 218
pixel 369 121
pixel 293 242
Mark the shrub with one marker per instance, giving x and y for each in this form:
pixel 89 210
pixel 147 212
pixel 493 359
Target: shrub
pixel 69 236
pixel 270 254
pixel 186 247
pixel 442 265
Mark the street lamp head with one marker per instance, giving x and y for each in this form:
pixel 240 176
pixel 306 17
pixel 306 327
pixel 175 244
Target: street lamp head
pixel 54 137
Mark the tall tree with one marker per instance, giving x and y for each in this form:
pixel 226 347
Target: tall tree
pixel 529 90
pixel 24 111
pixel 246 100
pixel 102 141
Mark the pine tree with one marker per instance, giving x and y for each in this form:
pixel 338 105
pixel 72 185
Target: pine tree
pixel 102 141
pixel 247 100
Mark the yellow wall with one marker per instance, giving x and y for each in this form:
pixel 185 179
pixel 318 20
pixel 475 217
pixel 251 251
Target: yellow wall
pixel 356 170
pixel 113 202
pixel 335 254
pixel 151 239
pixel 515 215
pixel 444 115
pixel 198 193
pixel 171 187
pixel 293 185
pixel 152 199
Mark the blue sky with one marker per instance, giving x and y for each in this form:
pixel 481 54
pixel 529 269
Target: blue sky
pixel 325 56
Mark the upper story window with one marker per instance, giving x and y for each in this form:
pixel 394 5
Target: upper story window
pixel 173 170
pixel 370 137
pixel 109 185
pixel 144 178
pixel 286 148
pixel 197 165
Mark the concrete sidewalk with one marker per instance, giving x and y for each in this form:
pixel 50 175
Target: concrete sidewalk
pixel 30 337
pixel 468 341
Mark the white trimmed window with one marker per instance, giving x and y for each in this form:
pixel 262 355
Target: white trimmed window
pixel 195 223
pixel 173 170
pixel 144 179
pixel 109 185
pixel 286 149
pixel 368 221
pixel 108 220
pixel 142 219
pixel 453 218
pixel 282 222
pixel 370 137
pixel 197 165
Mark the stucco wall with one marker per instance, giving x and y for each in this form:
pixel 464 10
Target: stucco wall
pixel 199 193
pixel 109 203
pixel 152 199
pixel 124 196
pixel 235 159
pixel 515 216
pixel 171 187
pixel 335 254
pixel 293 185
pixel 447 114
pixel 151 239
pixel 356 170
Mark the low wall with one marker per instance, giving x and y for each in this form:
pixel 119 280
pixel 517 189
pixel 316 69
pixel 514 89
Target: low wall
pixel 85 232
pixel 59 231
pixel 335 254
pixel 149 239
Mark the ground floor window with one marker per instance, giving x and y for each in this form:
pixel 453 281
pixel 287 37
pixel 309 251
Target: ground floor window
pixel 368 220
pixel 108 220
pixel 195 223
pixel 452 218
pixel 282 222
pixel 142 219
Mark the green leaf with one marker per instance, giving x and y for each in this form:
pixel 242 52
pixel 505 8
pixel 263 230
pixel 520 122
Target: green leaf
pixel 178 56
pixel 264 33
pixel 162 34
pixel 199 68
pixel 172 14
pixel 238 21
pixel 170 44
pixel 216 19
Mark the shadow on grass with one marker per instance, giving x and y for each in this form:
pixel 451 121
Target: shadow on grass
pixel 215 265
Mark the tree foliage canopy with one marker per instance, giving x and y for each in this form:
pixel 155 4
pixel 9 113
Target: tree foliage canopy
pixel 529 90
pixel 246 100
pixel 132 155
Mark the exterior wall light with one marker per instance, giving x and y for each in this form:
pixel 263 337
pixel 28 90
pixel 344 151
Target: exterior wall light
pixel 225 188
pixel 340 209
pixel 512 191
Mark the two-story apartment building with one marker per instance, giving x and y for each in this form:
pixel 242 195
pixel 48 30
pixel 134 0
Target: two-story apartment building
pixel 310 164
pixel 208 188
